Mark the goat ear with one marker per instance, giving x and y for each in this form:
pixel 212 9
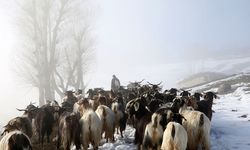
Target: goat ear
pixel 201 95
pixel 136 106
pixel 215 96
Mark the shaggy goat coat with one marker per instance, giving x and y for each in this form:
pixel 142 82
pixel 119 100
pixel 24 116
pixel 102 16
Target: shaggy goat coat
pixel 174 137
pixel 91 127
pixel 15 140
pixel 198 127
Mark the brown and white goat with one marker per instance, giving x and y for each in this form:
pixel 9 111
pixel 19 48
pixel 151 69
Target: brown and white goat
pixel 197 126
pixel 69 130
pixel 153 133
pixel 15 140
pixel 137 108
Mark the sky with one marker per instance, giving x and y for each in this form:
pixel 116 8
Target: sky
pixel 142 39
pixel 136 34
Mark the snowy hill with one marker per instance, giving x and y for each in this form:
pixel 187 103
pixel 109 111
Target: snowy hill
pixel 200 78
pixel 235 81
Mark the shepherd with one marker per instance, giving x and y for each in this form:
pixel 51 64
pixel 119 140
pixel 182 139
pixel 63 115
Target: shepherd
pixel 115 84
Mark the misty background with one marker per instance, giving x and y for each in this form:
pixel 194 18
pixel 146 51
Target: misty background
pixel 157 41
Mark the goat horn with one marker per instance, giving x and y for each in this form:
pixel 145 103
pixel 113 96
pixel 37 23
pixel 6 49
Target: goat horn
pixel 150 83
pixel 21 109
pixel 4 132
pixel 141 81
pixel 33 109
pixel 183 118
pixel 32 103
pixel 159 83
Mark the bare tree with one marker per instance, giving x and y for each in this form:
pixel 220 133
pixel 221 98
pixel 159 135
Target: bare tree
pixel 57 45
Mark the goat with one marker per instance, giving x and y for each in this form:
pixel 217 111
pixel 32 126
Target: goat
pixel 69 130
pixel 205 105
pixel 153 133
pixel 83 106
pixel 91 129
pixel 138 109
pixel 70 99
pixel 197 126
pixel 19 123
pixel 197 96
pixel 120 115
pixel 107 117
pixel 170 94
pixel 15 140
pixel 154 104
pixel 90 124
pixel 79 95
pixel 185 93
pixel 44 122
pixel 24 122
pixel 174 137
pixel 94 102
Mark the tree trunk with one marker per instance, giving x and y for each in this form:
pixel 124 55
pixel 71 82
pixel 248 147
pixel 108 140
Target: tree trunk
pixel 41 95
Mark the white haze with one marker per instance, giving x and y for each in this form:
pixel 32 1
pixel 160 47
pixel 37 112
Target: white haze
pixel 153 40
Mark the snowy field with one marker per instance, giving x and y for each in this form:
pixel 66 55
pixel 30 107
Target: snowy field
pixel 231 121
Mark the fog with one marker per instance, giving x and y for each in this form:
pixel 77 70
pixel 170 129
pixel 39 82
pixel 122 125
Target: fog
pixel 157 41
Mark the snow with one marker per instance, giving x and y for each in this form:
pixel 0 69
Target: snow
pixel 197 88
pixel 229 129
pixel 121 143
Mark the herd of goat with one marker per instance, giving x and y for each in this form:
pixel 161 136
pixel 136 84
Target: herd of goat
pixel 169 120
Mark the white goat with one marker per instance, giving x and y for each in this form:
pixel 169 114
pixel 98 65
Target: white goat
pixel 174 137
pixel 107 118
pixel 197 126
pixel 91 129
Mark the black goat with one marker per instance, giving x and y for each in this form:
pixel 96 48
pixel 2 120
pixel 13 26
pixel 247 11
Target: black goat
pixel 44 121
pixel 197 96
pixel 138 109
pixel 205 105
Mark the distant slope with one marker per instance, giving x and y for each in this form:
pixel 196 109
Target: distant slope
pixel 234 81
pixel 200 78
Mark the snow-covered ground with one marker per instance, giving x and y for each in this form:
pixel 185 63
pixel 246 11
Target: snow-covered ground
pixel 231 121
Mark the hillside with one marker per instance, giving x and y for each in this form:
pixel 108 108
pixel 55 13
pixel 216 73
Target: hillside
pixel 200 78
pixel 233 82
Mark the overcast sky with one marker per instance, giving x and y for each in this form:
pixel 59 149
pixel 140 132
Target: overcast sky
pixel 134 34
pixel 143 39
pixel 162 31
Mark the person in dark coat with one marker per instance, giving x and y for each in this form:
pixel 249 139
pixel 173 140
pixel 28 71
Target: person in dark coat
pixel 115 84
